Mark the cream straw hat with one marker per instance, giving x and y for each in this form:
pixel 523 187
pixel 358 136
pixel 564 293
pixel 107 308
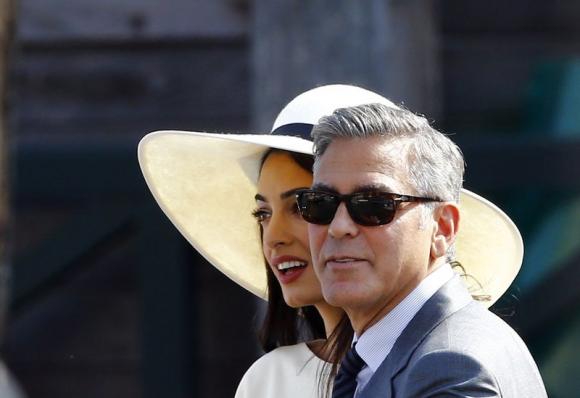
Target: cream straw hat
pixel 205 183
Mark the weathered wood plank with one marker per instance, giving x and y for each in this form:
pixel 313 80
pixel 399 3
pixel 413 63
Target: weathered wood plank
pixel 389 47
pixel 115 91
pixel 518 16
pixel 486 78
pixel 130 19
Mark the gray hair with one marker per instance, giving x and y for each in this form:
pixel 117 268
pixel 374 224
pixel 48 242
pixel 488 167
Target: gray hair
pixel 433 162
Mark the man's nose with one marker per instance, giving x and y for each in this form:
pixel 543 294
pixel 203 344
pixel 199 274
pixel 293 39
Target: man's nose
pixel 342 224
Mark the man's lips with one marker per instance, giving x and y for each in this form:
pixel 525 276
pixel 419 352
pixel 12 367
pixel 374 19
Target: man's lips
pixel 343 262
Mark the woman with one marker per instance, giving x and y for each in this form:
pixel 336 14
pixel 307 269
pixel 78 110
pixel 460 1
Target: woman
pixel 208 184
pixel 293 289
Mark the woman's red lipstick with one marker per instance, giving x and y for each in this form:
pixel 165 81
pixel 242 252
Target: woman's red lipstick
pixel 288 268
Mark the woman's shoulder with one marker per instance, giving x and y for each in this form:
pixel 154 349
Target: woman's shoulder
pixel 286 356
pixel 282 369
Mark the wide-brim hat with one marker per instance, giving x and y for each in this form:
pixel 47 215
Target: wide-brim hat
pixel 206 183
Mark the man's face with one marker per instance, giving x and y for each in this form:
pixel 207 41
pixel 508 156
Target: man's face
pixel 368 270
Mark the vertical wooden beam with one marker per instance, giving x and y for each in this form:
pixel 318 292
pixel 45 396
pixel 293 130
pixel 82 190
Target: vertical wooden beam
pixel 8 387
pixel 389 46
pixel 6 36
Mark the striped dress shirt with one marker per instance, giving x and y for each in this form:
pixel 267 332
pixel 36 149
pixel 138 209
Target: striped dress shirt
pixel 376 342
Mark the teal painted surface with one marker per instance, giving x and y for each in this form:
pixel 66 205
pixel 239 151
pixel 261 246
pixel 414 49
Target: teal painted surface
pixel 556 239
pixel 560 367
pixel 553 219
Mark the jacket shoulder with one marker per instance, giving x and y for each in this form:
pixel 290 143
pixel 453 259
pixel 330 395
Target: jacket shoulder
pixel 473 351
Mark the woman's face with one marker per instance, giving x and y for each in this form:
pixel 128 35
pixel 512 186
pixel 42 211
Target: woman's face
pixel 285 236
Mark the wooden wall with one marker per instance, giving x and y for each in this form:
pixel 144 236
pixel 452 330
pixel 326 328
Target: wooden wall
pixel 108 299
pixel 491 52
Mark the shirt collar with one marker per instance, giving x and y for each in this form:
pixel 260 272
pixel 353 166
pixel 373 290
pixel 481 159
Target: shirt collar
pixel 375 343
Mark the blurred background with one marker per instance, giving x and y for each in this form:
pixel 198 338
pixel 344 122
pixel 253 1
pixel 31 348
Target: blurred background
pixel 103 298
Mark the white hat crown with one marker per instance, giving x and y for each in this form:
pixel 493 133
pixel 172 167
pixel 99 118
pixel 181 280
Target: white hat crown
pixel 310 106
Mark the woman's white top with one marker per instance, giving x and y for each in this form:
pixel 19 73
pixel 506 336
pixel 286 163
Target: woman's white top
pixel 286 372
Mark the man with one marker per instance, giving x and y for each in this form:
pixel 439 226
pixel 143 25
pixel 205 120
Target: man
pixel 384 214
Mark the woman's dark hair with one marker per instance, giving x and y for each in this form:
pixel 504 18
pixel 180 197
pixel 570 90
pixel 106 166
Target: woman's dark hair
pixel 470 280
pixel 284 325
pixel 336 346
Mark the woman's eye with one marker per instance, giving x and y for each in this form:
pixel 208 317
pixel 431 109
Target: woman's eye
pixel 261 215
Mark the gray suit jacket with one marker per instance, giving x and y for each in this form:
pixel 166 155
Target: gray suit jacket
pixel 454 347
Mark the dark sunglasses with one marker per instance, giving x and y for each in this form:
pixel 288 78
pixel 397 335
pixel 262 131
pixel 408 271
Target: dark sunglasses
pixel 369 208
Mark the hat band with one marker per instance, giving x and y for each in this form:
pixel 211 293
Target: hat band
pixel 302 130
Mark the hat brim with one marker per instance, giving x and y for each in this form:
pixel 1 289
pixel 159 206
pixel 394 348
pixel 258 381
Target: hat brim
pixel 206 183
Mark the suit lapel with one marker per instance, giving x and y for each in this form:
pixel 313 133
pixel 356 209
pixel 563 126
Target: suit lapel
pixel 450 298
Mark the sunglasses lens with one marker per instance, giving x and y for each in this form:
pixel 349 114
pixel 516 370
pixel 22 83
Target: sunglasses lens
pixel 368 209
pixel 317 207
pixel 371 210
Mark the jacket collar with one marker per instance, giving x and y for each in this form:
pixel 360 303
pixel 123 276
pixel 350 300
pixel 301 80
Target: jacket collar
pixel 450 298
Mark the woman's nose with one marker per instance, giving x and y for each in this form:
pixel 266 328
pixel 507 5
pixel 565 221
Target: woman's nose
pixel 276 232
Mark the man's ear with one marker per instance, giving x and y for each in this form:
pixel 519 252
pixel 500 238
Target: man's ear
pixel 446 218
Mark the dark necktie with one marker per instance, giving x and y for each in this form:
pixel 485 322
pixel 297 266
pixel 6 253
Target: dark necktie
pixel 345 381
